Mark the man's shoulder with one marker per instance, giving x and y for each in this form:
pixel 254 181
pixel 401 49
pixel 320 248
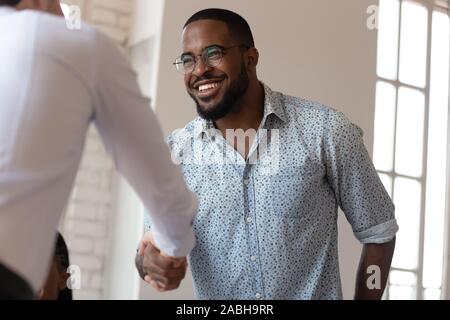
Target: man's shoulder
pixel 297 104
pixel 310 112
pixel 57 36
pixel 59 26
pixel 302 111
pixel 328 118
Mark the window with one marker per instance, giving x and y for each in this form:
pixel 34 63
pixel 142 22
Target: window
pixel 411 138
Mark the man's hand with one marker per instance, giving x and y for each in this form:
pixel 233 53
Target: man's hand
pixel 162 272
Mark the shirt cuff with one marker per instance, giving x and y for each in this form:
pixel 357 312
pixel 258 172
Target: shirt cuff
pixel 179 248
pixel 381 233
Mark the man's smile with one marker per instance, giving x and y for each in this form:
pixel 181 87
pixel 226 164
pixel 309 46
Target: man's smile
pixel 208 89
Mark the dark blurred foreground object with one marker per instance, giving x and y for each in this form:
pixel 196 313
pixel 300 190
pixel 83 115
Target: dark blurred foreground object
pixel 13 287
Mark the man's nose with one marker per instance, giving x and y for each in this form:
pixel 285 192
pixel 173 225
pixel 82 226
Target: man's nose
pixel 200 67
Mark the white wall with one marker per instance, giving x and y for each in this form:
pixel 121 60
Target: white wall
pixel 317 49
pixel 146 20
pixel 122 281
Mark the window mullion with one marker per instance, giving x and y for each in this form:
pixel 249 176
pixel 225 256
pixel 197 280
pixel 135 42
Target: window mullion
pixel 419 293
pixel 445 293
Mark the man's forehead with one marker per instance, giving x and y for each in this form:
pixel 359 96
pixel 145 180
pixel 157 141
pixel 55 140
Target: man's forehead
pixel 204 33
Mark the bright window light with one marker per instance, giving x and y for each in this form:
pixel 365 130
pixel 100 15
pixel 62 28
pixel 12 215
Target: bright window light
pixel 437 153
pixel 413 46
pixel 388 25
pixel 384 126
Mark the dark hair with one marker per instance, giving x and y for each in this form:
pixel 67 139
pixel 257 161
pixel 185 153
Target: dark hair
pixel 11 3
pixel 237 25
pixel 62 257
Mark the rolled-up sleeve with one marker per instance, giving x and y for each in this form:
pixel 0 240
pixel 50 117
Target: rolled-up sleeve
pixel 355 182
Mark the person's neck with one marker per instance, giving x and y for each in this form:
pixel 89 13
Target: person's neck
pixel 249 112
pixel 247 116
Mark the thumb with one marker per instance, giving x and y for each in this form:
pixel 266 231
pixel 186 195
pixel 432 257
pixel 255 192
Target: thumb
pixel 145 241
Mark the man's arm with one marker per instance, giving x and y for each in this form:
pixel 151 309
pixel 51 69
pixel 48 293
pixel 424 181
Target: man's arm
pixel 379 256
pixel 134 139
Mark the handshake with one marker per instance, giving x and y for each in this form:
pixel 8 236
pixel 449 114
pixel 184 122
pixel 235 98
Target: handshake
pixel 162 272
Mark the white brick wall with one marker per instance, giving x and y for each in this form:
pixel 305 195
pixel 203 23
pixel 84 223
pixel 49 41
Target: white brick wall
pixel 88 223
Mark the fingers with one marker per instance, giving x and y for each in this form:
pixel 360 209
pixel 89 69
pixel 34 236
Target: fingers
pixel 162 272
pixel 142 247
pixel 146 240
pixel 175 261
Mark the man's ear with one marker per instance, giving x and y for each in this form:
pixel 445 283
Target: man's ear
pixel 252 58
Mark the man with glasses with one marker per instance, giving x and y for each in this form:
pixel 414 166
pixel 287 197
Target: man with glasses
pixel 54 82
pixel 267 221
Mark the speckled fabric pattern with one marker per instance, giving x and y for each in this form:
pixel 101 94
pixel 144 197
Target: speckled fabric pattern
pixel 267 229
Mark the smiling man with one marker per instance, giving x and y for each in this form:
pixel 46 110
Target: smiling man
pixel 268 234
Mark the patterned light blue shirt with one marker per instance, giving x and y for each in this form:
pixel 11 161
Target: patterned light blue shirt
pixel 267 229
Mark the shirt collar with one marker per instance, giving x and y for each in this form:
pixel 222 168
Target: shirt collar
pixel 272 105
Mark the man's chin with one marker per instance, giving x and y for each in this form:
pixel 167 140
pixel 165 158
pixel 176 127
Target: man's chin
pixel 212 113
pixel 207 106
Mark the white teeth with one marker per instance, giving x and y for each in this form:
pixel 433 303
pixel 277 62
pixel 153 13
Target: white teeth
pixel 208 86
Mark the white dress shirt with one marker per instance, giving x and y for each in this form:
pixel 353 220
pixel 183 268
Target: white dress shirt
pixel 53 83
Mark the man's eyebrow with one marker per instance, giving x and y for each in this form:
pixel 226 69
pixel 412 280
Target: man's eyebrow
pixel 187 54
pixel 203 49
pixel 214 46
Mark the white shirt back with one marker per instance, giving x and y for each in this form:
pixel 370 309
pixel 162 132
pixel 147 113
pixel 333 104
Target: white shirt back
pixel 53 83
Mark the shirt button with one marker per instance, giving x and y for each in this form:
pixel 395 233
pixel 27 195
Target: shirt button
pixel 249 220
pixel 253 258
pixel 246 181
pixel 258 296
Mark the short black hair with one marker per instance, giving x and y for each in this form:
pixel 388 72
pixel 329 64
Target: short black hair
pixel 238 26
pixel 11 3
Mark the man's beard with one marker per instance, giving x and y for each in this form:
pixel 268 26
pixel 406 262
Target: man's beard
pixel 229 101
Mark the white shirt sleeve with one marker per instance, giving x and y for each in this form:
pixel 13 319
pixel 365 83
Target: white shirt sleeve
pixel 133 137
pixel 55 83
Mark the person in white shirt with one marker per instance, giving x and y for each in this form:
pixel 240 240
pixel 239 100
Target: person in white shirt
pixel 53 83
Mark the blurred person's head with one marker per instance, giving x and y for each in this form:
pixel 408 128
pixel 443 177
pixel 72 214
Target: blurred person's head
pixel 55 288
pixel 49 6
pixel 224 39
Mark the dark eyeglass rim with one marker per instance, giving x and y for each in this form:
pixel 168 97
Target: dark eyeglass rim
pixel 224 49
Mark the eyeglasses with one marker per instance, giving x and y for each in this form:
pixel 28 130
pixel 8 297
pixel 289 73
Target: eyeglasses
pixel 211 56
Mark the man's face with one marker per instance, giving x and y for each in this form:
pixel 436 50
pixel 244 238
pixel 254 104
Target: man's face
pixel 215 90
pixel 49 6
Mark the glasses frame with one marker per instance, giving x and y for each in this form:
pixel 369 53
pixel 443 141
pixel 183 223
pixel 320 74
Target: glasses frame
pixel 178 63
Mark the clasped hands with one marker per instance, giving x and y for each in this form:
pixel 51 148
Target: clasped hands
pixel 162 272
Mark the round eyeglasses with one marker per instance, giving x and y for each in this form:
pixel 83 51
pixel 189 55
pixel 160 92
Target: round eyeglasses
pixel 211 57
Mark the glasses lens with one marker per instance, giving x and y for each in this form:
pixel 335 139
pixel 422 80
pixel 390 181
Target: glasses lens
pixel 213 56
pixel 185 63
